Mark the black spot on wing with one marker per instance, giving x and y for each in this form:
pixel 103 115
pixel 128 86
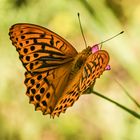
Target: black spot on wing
pixel 48 95
pixel 89 67
pixel 32 48
pixel 52 41
pixel 85 72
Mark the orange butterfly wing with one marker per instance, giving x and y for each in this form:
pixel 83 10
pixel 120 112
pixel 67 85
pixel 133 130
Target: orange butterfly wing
pixel 44 89
pixel 94 66
pixel 39 48
pixel 47 58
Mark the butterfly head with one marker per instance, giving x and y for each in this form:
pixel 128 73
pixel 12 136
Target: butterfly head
pixel 95 48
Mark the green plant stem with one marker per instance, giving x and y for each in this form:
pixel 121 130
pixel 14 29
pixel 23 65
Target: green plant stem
pixel 135 114
pixel 127 93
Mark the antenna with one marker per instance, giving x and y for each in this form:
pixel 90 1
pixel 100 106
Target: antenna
pixel 82 29
pixel 100 42
pixel 110 38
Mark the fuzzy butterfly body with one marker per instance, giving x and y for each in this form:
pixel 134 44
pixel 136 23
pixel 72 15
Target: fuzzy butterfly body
pixel 56 74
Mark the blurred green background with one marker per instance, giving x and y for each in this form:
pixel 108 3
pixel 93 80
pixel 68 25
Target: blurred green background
pixel 91 118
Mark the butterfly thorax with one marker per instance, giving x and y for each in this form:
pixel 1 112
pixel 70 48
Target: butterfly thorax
pixel 79 61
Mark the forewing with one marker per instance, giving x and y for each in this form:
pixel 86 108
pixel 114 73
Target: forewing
pixel 39 48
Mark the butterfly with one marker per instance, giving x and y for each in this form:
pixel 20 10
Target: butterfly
pixel 56 74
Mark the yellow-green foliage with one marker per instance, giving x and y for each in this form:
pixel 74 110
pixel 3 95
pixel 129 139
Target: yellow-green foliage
pixel 91 118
